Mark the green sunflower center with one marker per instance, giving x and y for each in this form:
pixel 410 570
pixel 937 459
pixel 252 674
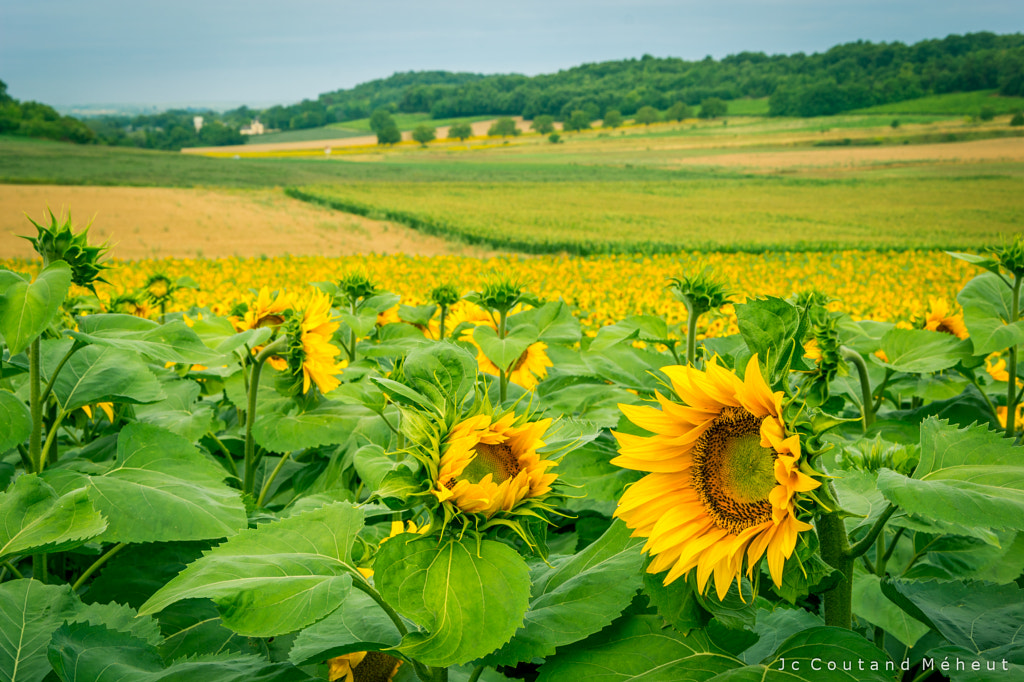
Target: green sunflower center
pixel 732 473
pixel 497 460
pixel 375 667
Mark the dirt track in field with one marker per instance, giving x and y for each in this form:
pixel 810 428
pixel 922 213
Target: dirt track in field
pixel 186 223
pixel 1006 149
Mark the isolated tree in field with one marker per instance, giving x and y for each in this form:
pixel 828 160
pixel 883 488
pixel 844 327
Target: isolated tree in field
pixel 713 107
pixel 578 120
pixel 460 131
pixel 380 119
pixel 424 134
pixel 1018 119
pixel 612 118
pixel 647 115
pixel 504 127
pixel 543 124
pixel 987 113
pixel 678 112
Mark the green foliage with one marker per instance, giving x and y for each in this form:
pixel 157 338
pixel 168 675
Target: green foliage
pixel 1017 119
pixel 678 112
pixel 578 120
pixel 612 119
pixel 469 597
pixel 713 107
pixel 504 127
pixel 543 124
pixel 647 115
pixel 987 113
pixel 424 134
pixel 276 578
pixel 27 308
pixel 460 131
pixel 33 518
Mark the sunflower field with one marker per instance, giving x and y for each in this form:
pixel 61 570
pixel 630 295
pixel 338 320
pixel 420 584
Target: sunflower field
pixel 225 472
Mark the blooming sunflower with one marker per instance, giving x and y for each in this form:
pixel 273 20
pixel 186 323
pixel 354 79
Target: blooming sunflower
pixel 310 350
pixel 724 477
pixel 491 465
pixel 363 666
pixel 268 311
pixel 939 319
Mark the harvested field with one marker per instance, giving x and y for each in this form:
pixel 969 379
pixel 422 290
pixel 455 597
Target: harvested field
pixel 992 150
pixel 184 223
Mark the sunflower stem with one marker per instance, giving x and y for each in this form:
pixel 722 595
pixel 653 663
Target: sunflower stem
pixel 475 675
pixel 444 314
pixel 352 337
pixel 502 373
pixel 1011 365
pixel 835 550
pixel 360 583
pixel 865 544
pixel 249 484
pixel 14 571
pixel 96 565
pixel 270 479
pixel 881 391
pixel 857 361
pixel 35 441
pixel 60 365
pixel 691 333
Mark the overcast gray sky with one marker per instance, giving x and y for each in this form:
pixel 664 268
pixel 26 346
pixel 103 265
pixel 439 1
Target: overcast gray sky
pixel 67 52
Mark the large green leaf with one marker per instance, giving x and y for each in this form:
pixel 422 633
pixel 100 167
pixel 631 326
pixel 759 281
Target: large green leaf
pixel 170 342
pixel 29 613
pixel 987 302
pixel 917 351
pixel 775 626
pixel 283 428
pixel 276 578
pixel 505 352
pixel 577 596
pixel 643 327
pixel 17 419
pixel 554 321
pixel 807 656
pixel 774 330
pixel 92 653
pixel 468 597
pixel 34 518
pixel 27 308
pixel 981 617
pixel 444 372
pixel 969 477
pixel 181 412
pixel 138 571
pixel 872 606
pixel 97 374
pixel 639 648
pixel 180 493
pixel 193 627
pixel 359 625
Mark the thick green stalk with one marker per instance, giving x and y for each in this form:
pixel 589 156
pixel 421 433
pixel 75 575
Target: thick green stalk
pixel 97 564
pixel 49 450
pixel 691 334
pixel 249 483
pixel 40 570
pixel 35 441
pixel 60 365
pixel 857 361
pixel 475 675
pixel 360 583
pixel 444 314
pixel 502 373
pixel 352 338
pixel 270 479
pixel 1011 366
pixel 835 550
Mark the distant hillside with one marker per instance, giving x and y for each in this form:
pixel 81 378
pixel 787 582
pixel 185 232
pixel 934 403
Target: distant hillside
pixel 846 77
pixel 32 119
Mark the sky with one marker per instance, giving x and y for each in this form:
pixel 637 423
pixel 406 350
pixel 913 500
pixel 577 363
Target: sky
pixel 223 54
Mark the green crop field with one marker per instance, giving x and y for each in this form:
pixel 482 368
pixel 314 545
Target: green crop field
pixel 754 214
pixel 952 104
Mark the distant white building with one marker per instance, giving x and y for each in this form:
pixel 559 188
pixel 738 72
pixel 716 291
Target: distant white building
pixel 254 128
pixel 197 121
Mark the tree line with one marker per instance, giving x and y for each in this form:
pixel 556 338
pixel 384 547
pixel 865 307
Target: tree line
pixel 32 119
pixel 846 77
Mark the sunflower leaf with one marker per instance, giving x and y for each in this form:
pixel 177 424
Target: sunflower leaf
pixel 505 352
pixel 577 596
pixel 29 613
pixel 34 517
pixel 468 597
pixel 26 308
pixel 806 655
pixel 15 414
pixel 97 374
pixel 967 477
pixel 639 648
pixel 987 301
pixel 359 625
pixel 173 341
pixel 276 578
pixel 919 351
